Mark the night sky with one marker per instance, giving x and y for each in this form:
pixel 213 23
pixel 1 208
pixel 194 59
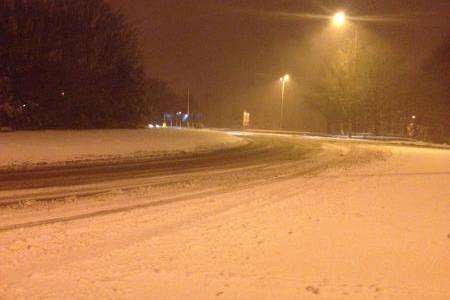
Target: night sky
pixel 224 47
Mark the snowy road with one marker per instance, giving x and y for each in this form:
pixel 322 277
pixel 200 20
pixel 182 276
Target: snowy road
pixel 351 221
pixel 59 182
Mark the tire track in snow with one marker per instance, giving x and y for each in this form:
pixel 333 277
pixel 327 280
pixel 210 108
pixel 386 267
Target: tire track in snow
pixel 166 201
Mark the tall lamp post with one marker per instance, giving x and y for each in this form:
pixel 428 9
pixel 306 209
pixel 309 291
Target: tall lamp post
pixel 189 107
pixel 284 80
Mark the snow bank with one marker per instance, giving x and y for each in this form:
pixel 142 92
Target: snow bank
pixel 28 148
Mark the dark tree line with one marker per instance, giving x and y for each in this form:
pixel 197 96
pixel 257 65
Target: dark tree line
pixel 375 90
pixel 72 64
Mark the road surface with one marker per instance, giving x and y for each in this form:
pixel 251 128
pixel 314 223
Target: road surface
pixel 293 218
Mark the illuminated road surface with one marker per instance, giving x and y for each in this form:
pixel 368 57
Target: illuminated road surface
pixel 352 221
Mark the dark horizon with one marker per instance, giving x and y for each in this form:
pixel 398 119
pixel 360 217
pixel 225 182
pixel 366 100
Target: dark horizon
pixel 224 49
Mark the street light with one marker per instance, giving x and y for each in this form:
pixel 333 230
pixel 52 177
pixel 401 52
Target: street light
pixel 284 80
pixel 339 19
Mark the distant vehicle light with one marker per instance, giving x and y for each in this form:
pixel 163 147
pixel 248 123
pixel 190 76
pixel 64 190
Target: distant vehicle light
pixel 150 126
pixel 157 126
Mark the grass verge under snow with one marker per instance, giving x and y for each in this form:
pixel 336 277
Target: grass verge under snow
pixel 33 148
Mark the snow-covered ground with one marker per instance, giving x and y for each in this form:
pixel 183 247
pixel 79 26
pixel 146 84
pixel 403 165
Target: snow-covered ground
pixel 396 140
pixel 30 148
pixel 376 226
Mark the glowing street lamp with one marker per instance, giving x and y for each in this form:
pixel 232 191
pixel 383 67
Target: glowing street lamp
pixel 339 19
pixel 284 80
